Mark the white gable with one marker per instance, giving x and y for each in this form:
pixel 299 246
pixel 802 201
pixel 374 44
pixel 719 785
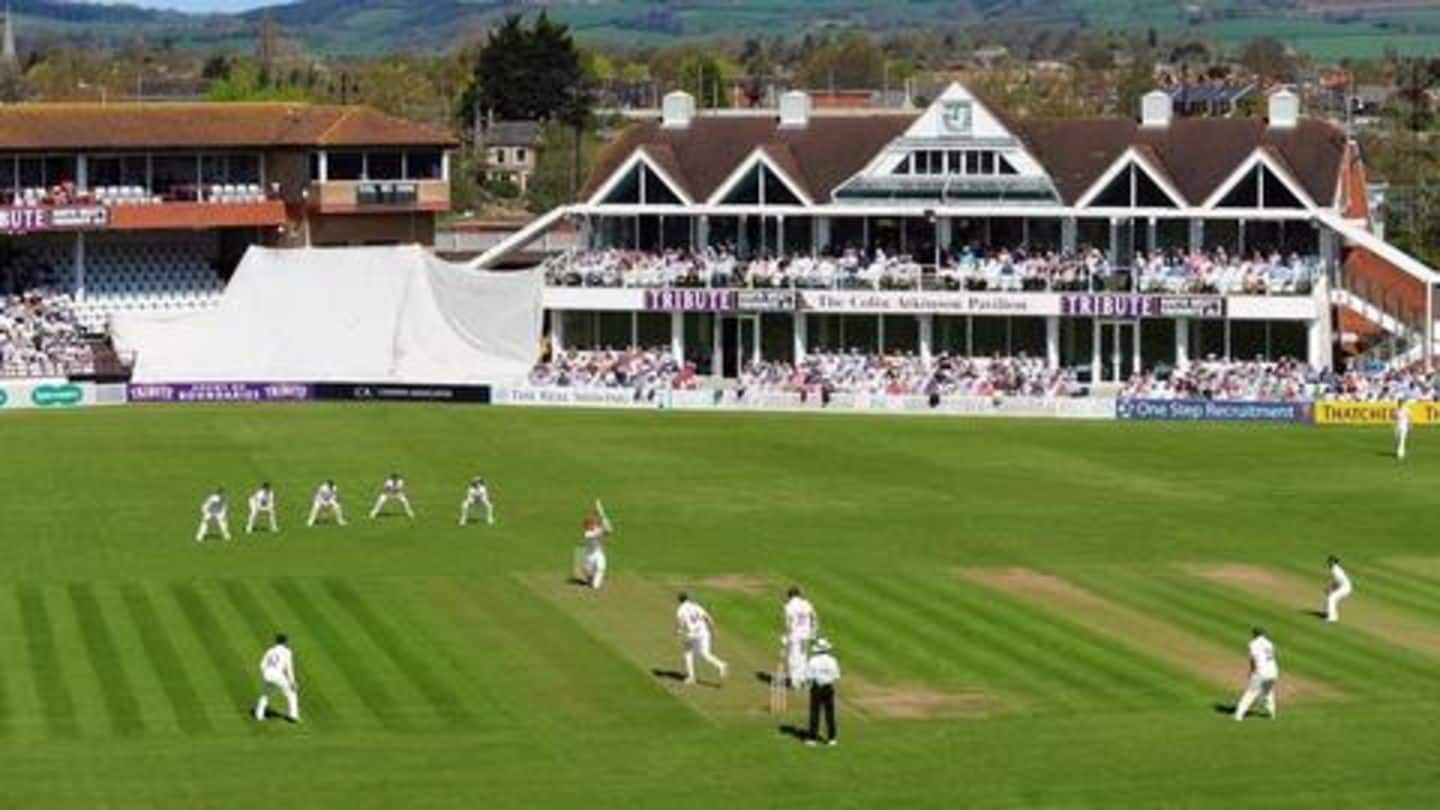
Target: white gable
pixel 958 114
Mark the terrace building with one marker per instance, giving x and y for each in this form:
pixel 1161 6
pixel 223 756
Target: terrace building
pixel 1102 245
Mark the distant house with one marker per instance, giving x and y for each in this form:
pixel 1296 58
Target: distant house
pixel 510 151
pixel 1208 99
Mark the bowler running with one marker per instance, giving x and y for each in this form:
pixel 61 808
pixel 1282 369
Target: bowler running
pixel 695 628
pixel 1338 590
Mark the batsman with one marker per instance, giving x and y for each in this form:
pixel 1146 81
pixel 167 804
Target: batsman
pixel 591 555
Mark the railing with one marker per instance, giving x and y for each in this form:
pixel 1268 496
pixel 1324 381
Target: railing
pixel 1296 279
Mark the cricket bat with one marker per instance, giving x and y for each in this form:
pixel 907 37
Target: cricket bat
pixel 604 518
pixel 577 564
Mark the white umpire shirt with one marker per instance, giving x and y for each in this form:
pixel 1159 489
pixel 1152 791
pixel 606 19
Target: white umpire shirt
pixel 823 669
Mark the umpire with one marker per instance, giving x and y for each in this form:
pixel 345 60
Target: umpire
pixel 823 671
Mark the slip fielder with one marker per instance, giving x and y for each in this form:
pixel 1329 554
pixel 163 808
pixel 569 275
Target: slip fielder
pixel 212 515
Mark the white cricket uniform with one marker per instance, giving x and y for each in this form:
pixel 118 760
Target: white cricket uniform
pixel 1264 674
pixel 477 495
pixel 801 627
pixel 327 498
pixel 277 673
pixel 212 514
pixel 392 489
pixel 1340 588
pixel 595 556
pixel 694 627
pixel 262 502
pixel 1402 430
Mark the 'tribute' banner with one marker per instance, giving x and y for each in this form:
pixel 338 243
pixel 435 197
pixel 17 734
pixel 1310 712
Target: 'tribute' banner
pixel 1201 410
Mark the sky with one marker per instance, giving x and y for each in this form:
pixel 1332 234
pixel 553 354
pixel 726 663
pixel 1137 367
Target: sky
pixel 201 5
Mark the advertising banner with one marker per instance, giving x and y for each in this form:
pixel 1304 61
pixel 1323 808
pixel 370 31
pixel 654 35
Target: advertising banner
pixel 390 392
pixel 766 300
pixel 33 220
pixel 219 392
pixel 865 302
pixel 46 394
pixel 1200 410
pixel 1099 305
pixel 1335 412
pixel 691 300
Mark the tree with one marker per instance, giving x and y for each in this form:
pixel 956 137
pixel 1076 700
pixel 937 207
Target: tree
pixel 557 177
pixel 852 62
pixel 1267 58
pixel 528 73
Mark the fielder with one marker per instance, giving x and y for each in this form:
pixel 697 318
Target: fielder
pixel 592 560
pixel 802 625
pixel 477 494
pixel 212 514
pixel 1340 589
pixel 695 627
pixel 1264 674
pixel 1402 429
pixel 327 498
pixel 392 489
pixel 277 674
pixel 262 501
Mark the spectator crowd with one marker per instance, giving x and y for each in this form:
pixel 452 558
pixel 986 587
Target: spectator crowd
pixel 1285 380
pixel 40 336
pixel 1001 270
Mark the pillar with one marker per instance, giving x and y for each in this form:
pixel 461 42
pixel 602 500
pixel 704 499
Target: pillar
pixel 1318 342
pixel 677 336
pixel 1197 234
pixel 702 232
pixel 820 235
pixel 742 236
pixel 1095 364
pixel 779 235
pixel 800 336
pixel 717 348
pixel 1052 341
pixel 927 335
pixel 1069 234
pixel 1152 235
pixel 1182 343
pixel 82 172
pixel 80 266
pixel 557 331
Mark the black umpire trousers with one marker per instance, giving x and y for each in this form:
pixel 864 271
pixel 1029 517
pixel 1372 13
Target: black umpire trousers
pixel 822 699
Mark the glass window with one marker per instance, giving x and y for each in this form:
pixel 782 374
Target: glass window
pixel 922 162
pixel 346 165
pixel 175 176
pixel 615 330
pixel 497 156
pixel 7 174
pixel 1289 339
pixel 699 339
pixel 937 162
pixel 520 155
pixel 902 335
pixel 134 171
pixel 991 336
pixel 1027 337
pixel 384 166
pixel 1247 340
pixel 652 330
pixel 59 169
pixel 987 162
pixel 212 168
pixel 955 163
pixel 1077 341
pixel 903 167
pixel 32 172
pixel 860 332
pixel 245 168
pixel 777 337
pixel 579 329
pixel 423 164
pixel 822 333
pixel 314 167
pixel 950 335
pixel 103 171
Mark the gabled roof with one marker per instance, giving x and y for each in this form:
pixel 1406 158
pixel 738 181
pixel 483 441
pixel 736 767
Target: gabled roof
pixel 821 154
pixel 205 125
pixel 1195 155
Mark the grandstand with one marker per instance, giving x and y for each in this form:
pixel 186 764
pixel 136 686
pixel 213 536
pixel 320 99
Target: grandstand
pixel 148 208
pixel 741 240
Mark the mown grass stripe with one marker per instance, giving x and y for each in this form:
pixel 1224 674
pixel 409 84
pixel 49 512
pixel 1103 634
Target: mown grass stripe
pixel 315 705
pixel 1218 614
pixel 351 664
pixel 1402 588
pixel 169 668
pixel 992 658
pixel 49 675
pixel 230 666
pixel 116 690
pixel 446 702
pixel 1128 664
pixel 1038 631
pixel 1307 634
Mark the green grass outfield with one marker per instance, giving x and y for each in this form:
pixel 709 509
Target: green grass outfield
pixel 1030 614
